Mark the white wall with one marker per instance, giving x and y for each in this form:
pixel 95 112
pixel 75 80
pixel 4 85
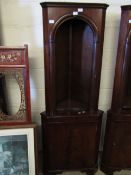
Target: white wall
pixel 21 22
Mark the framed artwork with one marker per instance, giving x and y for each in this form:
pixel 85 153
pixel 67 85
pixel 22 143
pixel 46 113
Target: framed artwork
pixel 18 150
pixel 14 86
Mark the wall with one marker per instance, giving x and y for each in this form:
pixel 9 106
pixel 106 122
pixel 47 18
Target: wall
pixel 21 22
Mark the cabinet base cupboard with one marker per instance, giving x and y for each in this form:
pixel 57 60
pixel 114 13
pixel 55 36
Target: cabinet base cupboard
pixel 73 42
pixel 71 142
pixel 117 148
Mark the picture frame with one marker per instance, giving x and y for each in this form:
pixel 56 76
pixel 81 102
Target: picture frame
pixel 18 150
pixel 14 84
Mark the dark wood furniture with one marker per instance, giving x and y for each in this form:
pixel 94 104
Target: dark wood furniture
pixel 117 147
pixel 14 63
pixel 73 42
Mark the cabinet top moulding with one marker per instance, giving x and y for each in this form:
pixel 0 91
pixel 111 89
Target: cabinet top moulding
pixel 126 7
pixel 66 4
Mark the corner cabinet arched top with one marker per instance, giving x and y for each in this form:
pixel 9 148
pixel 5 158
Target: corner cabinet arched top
pixel 73 39
pixel 121 100
pixel 69 17
pixel 126 78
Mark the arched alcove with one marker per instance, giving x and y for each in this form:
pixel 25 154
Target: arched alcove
pixel 73 52
pixel 127 74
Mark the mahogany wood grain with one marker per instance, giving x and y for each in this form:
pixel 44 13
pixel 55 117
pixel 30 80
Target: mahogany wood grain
pixel 73 43
pixel 117 146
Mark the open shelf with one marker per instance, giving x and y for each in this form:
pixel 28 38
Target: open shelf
pixel 73 65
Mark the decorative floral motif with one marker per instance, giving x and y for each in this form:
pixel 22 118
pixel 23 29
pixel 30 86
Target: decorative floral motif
pixel 21 114
pixel 10 57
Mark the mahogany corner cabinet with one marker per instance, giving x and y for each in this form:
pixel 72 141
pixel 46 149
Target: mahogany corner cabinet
pixel 73 44
pixel 117 146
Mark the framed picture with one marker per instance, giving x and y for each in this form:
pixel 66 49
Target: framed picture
pixel 18 151
pixel 15 105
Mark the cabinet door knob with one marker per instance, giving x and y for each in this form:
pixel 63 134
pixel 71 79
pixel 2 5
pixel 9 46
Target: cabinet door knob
pixel 114 143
